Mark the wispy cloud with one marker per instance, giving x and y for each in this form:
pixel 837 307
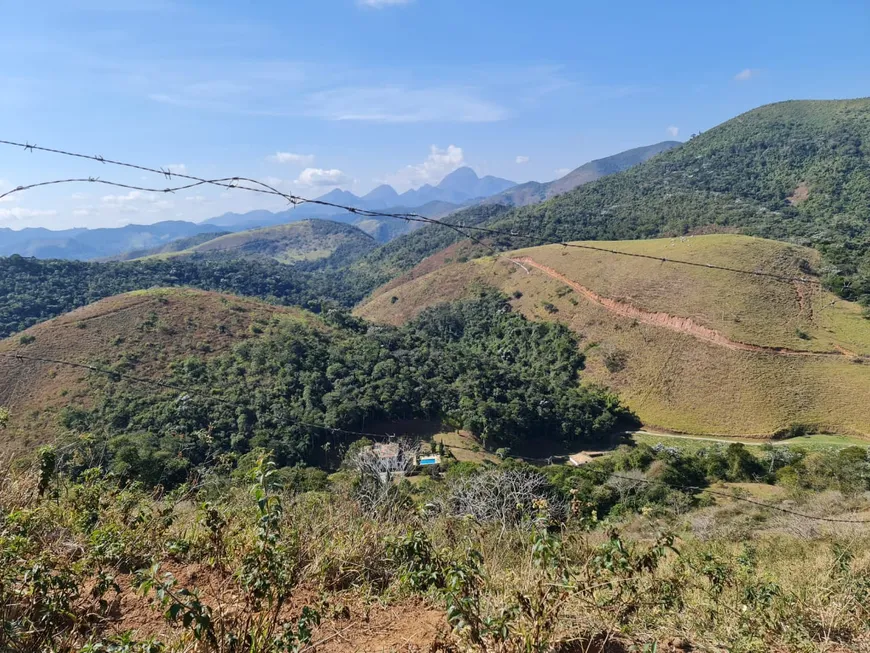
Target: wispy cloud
pixel 380 4
pixel 136 201
pixel 318 177
pixel 673 131
pixel 746 74
pixel 437 165
pixel 132 196
pixel 17 214
pixel 561 172
pixel 396 104
pixel 522 159
pixel 291 157
pixel 177 168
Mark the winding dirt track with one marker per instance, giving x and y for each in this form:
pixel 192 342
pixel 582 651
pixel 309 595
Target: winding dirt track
pixel 683 325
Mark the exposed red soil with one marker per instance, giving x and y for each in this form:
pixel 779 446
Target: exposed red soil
pixel 683 325
pixel 800 194
pixel 348 624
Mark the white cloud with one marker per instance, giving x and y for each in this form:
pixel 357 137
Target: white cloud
pixel 561 172
pixel 79 196
pixel 117 200
pixel 395 104
pixel 746 74
pixel 380 4
pixel 437 165
pixel 177 168
pixel 673 131
pixel 291 157
pixel 19 213
pixel 195 198
pixel 137 201
pixel 522 159
pixel 321 177
pixel 81 213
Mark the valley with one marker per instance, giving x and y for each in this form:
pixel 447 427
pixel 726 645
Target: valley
pixel 622 410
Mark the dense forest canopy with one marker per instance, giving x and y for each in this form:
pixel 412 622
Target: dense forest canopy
pixel 475 365
pixel 32 290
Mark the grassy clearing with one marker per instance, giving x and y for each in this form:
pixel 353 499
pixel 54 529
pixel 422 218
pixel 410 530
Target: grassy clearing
pixel 465 448
pixel 671 380
pixel 809 442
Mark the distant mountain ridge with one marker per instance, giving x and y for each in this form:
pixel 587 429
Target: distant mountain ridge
pixel 86 244
pixel 323 242
pixel 533 192
pixel 460 188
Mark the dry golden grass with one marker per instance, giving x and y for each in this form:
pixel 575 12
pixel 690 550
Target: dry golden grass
pixel 149 329
pixel 673 380
pixel 462 446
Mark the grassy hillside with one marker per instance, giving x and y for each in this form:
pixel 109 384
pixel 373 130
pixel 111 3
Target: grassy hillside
pixel 169 248
pixel 332 371
pixel 796 171
pixel 32 291
pixel 685 347
pixel 295 242
pixel 140 333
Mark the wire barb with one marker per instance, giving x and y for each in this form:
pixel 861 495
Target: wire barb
pixel 255 186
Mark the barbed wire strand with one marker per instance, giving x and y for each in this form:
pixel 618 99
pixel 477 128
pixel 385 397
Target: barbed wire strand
pixel 461 229
pixel 692 488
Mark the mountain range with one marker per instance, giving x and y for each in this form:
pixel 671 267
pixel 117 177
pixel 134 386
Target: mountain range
pixel 460 188
pixel 533 192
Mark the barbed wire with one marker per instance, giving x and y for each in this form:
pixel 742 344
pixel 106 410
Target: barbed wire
pixel 257 186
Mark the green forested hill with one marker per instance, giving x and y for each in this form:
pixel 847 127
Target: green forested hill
pixel 474 364
pixel 321 241
pixel 796 171
pixel 169 248
pixel 33 290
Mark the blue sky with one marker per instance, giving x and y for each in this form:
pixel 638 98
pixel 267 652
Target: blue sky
pixel 313 93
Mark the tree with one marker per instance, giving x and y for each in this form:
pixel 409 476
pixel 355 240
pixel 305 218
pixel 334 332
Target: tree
pixel 378 466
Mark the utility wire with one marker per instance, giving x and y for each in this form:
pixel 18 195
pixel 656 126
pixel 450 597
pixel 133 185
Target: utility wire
pixel 462 229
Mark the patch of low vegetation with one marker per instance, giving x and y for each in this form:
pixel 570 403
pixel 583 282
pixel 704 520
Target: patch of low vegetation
pixel 244 556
